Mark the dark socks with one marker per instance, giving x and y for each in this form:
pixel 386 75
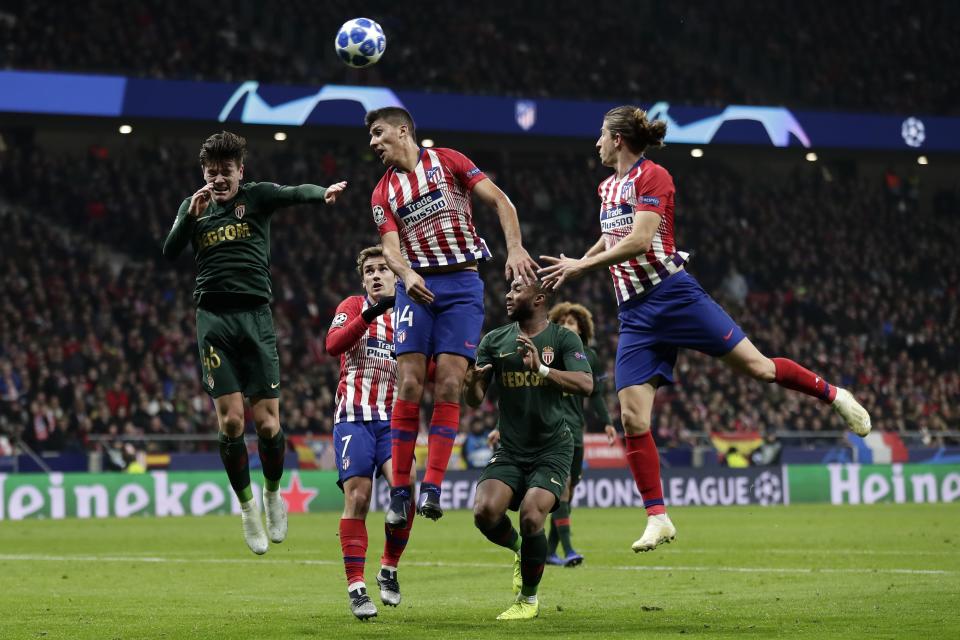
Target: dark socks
pixel 502 533
pixel 272 450
pixel 533 555
pixel 233 453
pixel 561 524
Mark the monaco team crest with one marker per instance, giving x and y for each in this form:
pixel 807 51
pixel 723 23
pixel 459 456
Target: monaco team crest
pixel 239 210
pixel 547 355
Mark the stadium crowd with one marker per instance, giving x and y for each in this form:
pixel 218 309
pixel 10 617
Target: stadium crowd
pixel 695 52
pixel 97 334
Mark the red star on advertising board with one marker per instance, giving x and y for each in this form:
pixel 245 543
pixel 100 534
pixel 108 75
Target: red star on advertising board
pixel 296 496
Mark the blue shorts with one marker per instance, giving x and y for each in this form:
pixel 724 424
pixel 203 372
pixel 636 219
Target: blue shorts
pixel 362 448
pixel 677 314
pixel 450 324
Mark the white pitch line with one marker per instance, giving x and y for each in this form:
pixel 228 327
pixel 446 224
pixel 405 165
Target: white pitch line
pixel 460 565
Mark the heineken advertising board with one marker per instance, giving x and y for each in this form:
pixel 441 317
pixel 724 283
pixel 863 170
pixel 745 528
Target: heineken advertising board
pixel 163 494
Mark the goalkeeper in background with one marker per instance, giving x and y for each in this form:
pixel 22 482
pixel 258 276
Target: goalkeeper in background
pixel 228 225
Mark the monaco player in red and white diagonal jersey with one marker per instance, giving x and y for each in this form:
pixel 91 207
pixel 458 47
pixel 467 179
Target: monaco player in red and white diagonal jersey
pixel 662 307
pixel 423 211
pixel 362 335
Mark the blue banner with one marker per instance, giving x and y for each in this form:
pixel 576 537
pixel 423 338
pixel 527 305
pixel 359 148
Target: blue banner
pixel 339 105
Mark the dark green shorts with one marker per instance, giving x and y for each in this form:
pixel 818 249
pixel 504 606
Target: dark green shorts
pixel 576 467
pixel 238 352
pixel 546 471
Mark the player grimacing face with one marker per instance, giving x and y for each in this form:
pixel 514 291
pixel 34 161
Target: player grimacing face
pixel 386 140
pixel 378 280
pixel 607 147
pixel 225 178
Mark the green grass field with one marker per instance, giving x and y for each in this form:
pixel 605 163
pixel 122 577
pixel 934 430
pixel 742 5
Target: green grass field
pixel 880 571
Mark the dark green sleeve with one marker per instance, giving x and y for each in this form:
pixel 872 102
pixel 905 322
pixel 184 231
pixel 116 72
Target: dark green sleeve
pixel 597 401
pixel 574 356
pixel 274 196
pixel 180 234
pixel 484 352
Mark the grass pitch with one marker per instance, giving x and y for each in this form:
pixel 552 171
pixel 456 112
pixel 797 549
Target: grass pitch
pixel 880 571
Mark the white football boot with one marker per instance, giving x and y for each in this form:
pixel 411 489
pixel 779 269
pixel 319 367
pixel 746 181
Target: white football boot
pixel 276 510
pixel 852 412
pixel 659 531
pixel 253 531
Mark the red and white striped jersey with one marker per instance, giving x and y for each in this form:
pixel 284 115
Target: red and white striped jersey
pixel 430 209
pixel 646 187
pixel 368 368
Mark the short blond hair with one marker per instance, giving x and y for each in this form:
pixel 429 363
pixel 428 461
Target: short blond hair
pixel 376 251
pixel 580 313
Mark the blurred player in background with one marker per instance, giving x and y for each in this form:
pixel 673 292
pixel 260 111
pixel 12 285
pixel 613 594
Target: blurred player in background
pixel 362 335
pixel 662 307
pixel 228 225
pixel 423 211
pixel 578 319
pixel 535 363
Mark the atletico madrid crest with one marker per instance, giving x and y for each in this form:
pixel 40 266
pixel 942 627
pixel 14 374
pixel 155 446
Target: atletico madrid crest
pixel 239 210
pixel 547 355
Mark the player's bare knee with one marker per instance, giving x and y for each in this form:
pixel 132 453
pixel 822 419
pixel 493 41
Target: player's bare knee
pixel 231 424
pixel 447 390
pixel 634 424
pixel 410 389
pixel 357 502
pixel 268 428
pixel 484 516
pixel 531 521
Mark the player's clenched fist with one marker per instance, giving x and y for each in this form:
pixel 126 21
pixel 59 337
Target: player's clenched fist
pixel 200 200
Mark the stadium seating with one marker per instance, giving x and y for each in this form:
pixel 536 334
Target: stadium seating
pixel 860 55
pixel 99 336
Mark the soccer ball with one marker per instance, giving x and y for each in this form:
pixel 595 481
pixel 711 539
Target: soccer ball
pixel 360 42
pixel 913 132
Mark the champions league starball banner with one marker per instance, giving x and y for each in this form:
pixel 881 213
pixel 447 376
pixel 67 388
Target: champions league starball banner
pixel 344 106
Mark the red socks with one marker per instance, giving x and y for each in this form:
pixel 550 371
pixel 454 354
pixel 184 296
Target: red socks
pixel 353 541
pixel 644 460
pixel 404 425
pixel 443 432
pixel 396 541
pixel 791 375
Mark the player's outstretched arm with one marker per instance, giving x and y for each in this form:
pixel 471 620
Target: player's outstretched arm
pixel 275 196
pixel 576 382
pixel 559 270
pixel 519 263
pixel 190 210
